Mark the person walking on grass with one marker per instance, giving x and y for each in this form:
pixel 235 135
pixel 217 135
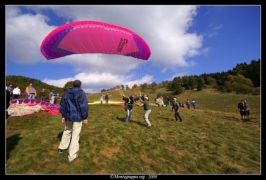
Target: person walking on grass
pixel 176 109
pixel 193 102
pixel 242 110
pixel 74 109
pixel 188 104
pixel 147 109
pixel 247 110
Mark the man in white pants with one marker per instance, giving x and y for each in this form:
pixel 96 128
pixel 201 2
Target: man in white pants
pixel 74 109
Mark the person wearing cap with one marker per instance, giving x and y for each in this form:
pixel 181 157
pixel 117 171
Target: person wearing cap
pixel 129 102
pixel 75 110
pixel 147 109
pixel 52 96
pixel 176 108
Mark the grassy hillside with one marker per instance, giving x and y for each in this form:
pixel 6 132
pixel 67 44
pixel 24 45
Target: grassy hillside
pixel 211 139
pixel 23 82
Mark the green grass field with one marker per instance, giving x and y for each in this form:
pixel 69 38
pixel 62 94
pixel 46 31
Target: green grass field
pixel 211 139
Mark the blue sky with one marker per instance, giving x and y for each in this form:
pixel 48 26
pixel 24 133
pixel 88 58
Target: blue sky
pixel 184 40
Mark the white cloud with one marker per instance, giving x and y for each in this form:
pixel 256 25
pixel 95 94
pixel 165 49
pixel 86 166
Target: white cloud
pixel 164 28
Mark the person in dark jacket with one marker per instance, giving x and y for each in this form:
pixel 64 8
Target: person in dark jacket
pixel 8 96
pixel 74 109
pixel 242 110
pixel 176 108
pixel 129 102
pixel 42 94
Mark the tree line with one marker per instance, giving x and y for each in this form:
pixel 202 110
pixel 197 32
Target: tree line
pixel 242 79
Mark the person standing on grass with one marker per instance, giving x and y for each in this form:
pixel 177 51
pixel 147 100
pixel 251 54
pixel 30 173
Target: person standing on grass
pixel 101 99
pixel 247 110
pixel 129 102
pixel 16 93
pixel 193 102
pixel 242 110
pixel 10 89
pixel 188 104
pixel 74 109
pixel 176 109
pixel 8 95
pixel 107 98
pixel 168 101
pixel 52 96
pixel 147 109
pixel 42 95
pixel 31 92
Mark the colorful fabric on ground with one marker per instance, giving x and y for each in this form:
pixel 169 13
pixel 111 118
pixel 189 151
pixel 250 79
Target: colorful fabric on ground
pixel 21 107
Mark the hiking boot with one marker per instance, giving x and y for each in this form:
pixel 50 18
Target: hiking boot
pixel 60 151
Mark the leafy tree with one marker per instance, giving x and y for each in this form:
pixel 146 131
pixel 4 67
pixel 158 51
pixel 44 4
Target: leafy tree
pixel 144 86
pixel 211 81
pixel 68 85
pixel 200 84
pixel 122 87
pixel 176 87
pixel 185 82
pixel 153 86
pixel 192 83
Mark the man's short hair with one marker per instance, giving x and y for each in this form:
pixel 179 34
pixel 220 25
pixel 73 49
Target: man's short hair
pixel 77 83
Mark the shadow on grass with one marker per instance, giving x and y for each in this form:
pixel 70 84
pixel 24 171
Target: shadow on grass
pixel 131 121
pixel 59 136
pixel 11 143
pixel 231 118
pixel 139 123
pixel 251 120
pixel 167 118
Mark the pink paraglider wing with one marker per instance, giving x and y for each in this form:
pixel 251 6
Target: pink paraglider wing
pixel 84 37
